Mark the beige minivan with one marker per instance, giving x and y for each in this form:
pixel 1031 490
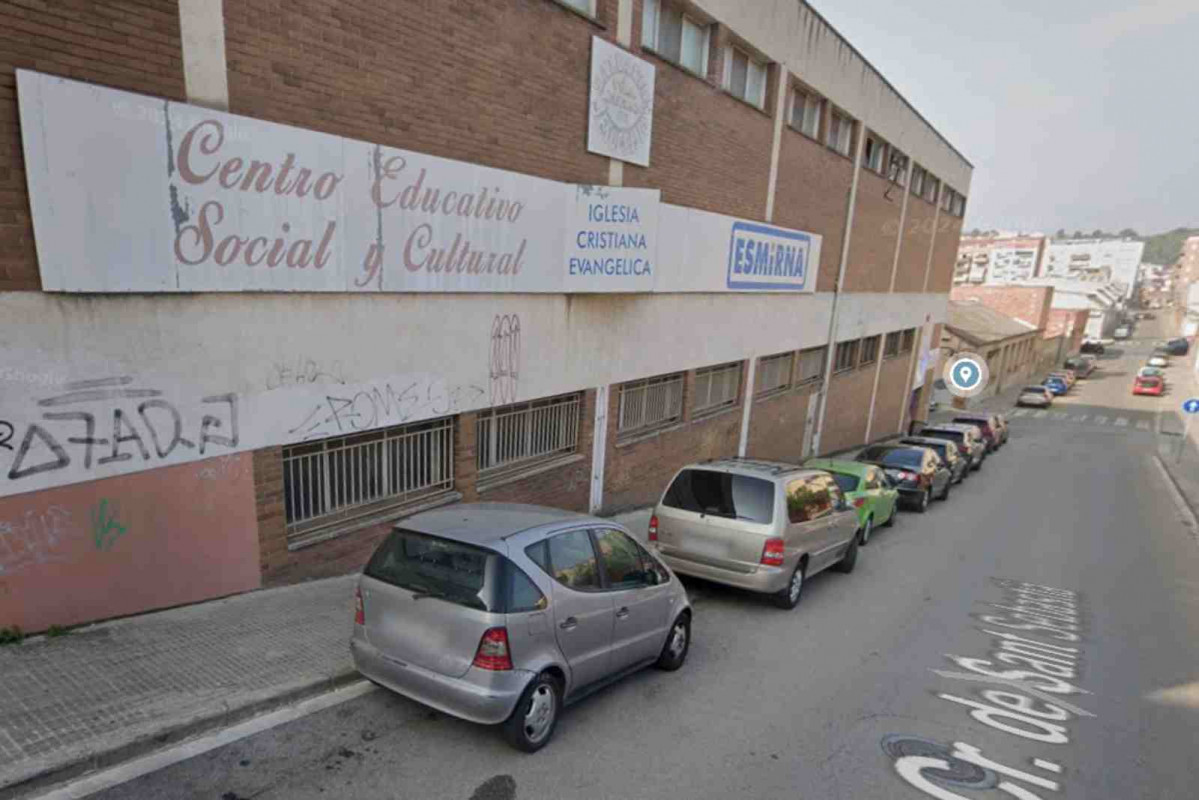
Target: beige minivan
pixel 764 526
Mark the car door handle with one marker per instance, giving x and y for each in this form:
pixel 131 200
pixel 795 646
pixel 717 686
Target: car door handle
pixel 568 624
pixel 623 612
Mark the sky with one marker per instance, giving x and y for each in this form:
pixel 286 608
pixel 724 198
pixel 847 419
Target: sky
pixel 1076 114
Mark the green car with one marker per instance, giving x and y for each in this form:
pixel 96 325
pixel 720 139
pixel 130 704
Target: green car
pixel 866 488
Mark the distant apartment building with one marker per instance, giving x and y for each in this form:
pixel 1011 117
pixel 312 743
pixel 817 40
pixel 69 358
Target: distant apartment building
pixel 1102 260
pixel 1062 320
pixel 998 260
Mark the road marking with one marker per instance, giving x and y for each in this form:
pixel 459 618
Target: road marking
pixel 1019 412
pixel 1079 418
pixel 1121 422
pixel 1047 765
pixel 162 759
pixel 1040 414
pixel 1060 415
pixel 1143 425
pixel 1100 419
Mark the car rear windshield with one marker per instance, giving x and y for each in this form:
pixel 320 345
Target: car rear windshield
pixel 722 494
pixel 457 572
pixel 848 483
pixel 970 421
pixel 1037 389
pixel 902 457
pixel 956 436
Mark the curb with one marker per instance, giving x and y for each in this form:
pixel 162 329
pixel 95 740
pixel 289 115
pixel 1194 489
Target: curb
pixel 169 735
pixel 1162 462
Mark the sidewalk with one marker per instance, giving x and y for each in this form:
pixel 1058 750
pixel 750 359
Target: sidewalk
pixel 1179 454
pixel 116 690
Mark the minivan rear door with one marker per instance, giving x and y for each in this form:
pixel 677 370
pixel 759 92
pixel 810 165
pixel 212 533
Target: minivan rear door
pixel 427 600
pixel 717 518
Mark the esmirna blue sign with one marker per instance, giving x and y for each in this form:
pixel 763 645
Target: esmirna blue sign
pixel 764 257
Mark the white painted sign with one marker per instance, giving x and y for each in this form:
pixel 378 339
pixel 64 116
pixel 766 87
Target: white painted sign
pixel 134 194
pixel 621 108
pixel 612 239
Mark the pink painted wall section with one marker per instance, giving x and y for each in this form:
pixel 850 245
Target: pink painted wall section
pixel 127 544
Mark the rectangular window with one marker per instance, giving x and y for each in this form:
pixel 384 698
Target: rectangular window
pixel 891 344
pixel 513 436
pixel 773 373
pixel 959 205
pixel 897 167
pixel 650 403
pixel 811 365
pixel 872 154
pixel 869 350
pixel 931 187
pixel 946 199
pixel 722 494
pixel 918 180
pixel 908 341
pixel 805 113
pixel 675 36
pixel 716 387
pixel 746 78
pixel 332 480
pixel 839 128
pixel 847 356
pixel 584 6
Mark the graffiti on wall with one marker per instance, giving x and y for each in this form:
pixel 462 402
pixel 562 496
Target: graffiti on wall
pixel 106 528
pixel 383 404
pixel 35 537
pixel 504 364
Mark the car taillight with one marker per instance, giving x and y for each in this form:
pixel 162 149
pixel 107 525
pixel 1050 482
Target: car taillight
pixel 359 610
pixel 493 650
pixel 772 553
pixel 963 449
pixel 858 503
pixel 653 528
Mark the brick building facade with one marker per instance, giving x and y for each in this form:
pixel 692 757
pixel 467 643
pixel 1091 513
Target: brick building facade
pixel 587 400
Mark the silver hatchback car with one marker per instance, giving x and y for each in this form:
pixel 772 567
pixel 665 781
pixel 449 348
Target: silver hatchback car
pixel 758 525
pixel 501 613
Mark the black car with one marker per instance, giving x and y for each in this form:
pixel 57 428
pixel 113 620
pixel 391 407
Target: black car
pixel 959 465
pixel 917 472
pixel 1177 347
pixel 1094 348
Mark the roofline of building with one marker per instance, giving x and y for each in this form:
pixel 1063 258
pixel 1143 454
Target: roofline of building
pixel 974 338
pixel 888 83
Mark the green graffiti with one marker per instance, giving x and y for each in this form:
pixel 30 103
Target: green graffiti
pixel 105 527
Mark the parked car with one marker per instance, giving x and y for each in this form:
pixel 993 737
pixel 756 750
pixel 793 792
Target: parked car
pixel 1148 385
pixel 968 438
pixel 757 525
pixel 1092 347
pixel 1090 359
pixel 1069 376
pixel 501 613
pixel 867 488
pixel 918 472
pixel 1123 332
pixel 1151 372
pixel 959 465
pixel 1080 366
pixel 1177 347
pixel 1039 396
pixel 1158 359
pixel 1056 385
pixel 995 427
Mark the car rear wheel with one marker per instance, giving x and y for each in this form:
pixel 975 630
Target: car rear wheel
pixel 945 493
pixel 536 714
pixel 867 529
pixel 678 642
pixel 789 597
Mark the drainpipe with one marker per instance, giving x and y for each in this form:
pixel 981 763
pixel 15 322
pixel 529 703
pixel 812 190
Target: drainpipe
pixel 832 321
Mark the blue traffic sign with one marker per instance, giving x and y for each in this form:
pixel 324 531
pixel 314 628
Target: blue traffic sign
pixel 1191 406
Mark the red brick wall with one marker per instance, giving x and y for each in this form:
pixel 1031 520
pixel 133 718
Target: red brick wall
pixel 875 227
pixel 846 409
pixel 1058 323
pixel 812 194
pixel 917 240
pixel 892 396
pixel 500 84
pixel 636 470
pixel 131 45
pixel 1027 303
pixel 776 425
pixel 945 253
pixel 709 149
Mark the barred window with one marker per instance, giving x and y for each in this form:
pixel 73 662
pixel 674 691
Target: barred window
pixel 513 436
pixel 891 344
pixel 716 387
pixel 650 403
pixel 908 341
pixel 869 350
pixel 811 364
pixel 337 479
pixel 847 356
pixel 773 373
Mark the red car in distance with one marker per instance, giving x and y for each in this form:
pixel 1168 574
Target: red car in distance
pixel 1150 385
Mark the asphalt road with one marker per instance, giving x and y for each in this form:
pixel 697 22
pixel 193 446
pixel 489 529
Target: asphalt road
pixel 856 688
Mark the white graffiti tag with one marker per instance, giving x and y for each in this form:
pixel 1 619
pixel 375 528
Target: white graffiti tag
pixel 34 538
